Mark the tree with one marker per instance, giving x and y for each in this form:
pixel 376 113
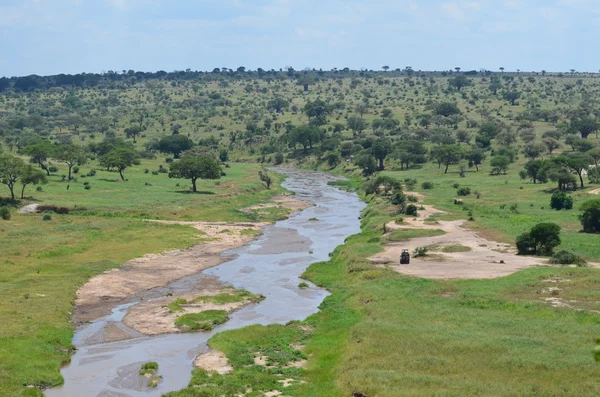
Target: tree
pixel 551 144
pixel 134 131
pixel 381 148
pixel 534 150
pixel 278 104
pixel 536 170
pixel 11 170
pixel 121 159
pixel 585 126
pixel 356 125
pixel 72 155
pixel 448 154
pixel 499 165
pixel 317 112
pixel 590 216
pixel 446 109
pixel 265 178
pixel 476 157
pixel 175 144
pixel 385 68
pixel 31 176
pixel 459 82
pixel 409 152
pixel 366 162
pixel 540 240
pixel 194 167
pixel 576 162
pixel 512 96
pixel 305 135
pixel 39 154
pixel 594 155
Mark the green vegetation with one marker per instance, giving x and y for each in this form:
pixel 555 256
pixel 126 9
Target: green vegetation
pixel 504 142
pixel 456 248
pixel 149 368
pixel 203 321
pixel 230 297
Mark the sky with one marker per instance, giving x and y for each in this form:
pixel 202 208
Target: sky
pixel 73 36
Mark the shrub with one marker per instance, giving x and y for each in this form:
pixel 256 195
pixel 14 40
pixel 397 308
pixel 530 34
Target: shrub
pixel 91 173
pixel 420 251
pixel 39 189
pixel 399 199
pixel 540 240
pixel 463 191
pixel 76 170
pixel 53 168
pixel 53 208
pixel 456 185
pixel 411 209
pixel 278 158
pixel 47 217
pixel 561 201
pixel 590 216
pixel 5 213
pixel 146 170
pixel 567 258
pixel 427 185
pixel 302 285
pixel 410 183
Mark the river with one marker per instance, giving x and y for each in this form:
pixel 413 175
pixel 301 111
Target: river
pixel 271 265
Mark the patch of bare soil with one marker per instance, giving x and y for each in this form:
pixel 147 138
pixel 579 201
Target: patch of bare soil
pixel 596 191
pixel 105 291
pixel 280 201
pixel 486 259
pixel 112 333
pixel 213 361
pixel 29 209
pixel 154 317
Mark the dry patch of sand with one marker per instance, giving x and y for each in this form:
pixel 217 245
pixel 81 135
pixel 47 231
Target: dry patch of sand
pixel 486 259
pixel 280 201
pixel 213 361
pixel 29 209
pixel 105 291
pixel 154 317
pixel 596 191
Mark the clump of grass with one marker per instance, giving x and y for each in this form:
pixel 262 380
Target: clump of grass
pixel 303 285
pixel 175 306
pixel 567 258
pixel 313 219
pixel 203 321
pixel 230 297
pixel 149 368
pixel 456 248
pixel 250 232
pixel 420 251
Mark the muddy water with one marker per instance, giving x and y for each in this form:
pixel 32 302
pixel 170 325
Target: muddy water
pixel 270 266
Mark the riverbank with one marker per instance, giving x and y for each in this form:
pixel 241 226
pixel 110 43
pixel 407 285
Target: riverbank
pixel 381 333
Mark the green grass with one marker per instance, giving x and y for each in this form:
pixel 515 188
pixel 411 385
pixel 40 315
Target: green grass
pixel 175 306
pixel 456 248
pixel 203 321
pixel 407 234
pixel 233 296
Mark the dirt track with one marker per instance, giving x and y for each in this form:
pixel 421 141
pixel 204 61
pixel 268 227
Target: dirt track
pixel 484 258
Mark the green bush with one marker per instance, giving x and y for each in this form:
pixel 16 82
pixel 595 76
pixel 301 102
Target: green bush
pixel 590 216
pixel 567 258
pixel 463 191
pixel 411 209
pixel 540 240
pixel 278 158
pixel 420 251
pixel 427 185
pixel 561 201
pixel 47 217
pixel 5 213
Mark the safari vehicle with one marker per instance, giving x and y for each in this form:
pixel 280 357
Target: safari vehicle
pixel 404 257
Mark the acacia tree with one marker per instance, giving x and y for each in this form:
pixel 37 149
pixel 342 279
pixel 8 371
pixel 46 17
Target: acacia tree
pixel 317 111
pixel 585 126
pixel 40 153
pixel 380 150
pixel 194 167
pixel 31 176
pixel 175 144
pixel 448 154
pixel 576 162
pixel 72 155
pixel 134 131
pixel 121 159
pixel 11 170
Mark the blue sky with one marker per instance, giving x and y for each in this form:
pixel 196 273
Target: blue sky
pixel 73 36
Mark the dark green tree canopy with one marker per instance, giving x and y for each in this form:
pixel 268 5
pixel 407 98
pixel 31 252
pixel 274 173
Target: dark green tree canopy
pixel 194 167
pixel 175 144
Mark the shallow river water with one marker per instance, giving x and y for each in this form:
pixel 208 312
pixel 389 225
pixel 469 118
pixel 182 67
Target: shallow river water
pixel 271 265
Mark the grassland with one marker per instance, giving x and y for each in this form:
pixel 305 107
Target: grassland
pixel 44 262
